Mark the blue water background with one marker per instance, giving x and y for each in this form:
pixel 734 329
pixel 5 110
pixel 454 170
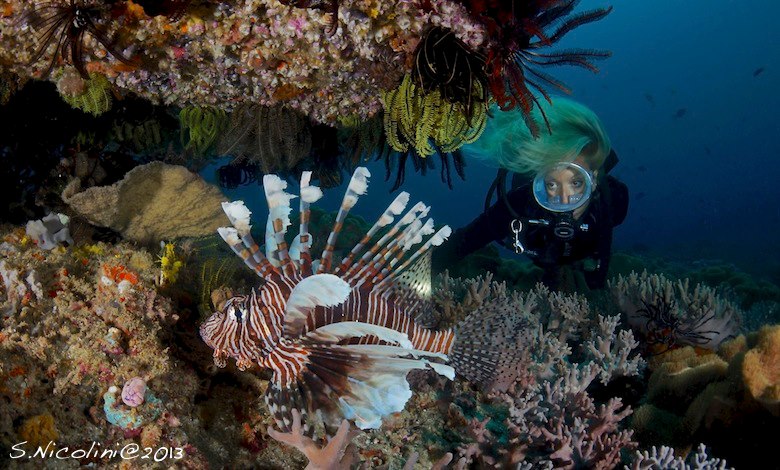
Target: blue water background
pixel 704 184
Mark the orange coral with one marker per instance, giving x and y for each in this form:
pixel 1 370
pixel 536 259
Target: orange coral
pixel 39 430
pixel 119 273
pixel 761 369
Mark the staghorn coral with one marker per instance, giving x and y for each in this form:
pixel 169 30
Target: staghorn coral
pixel 664 458
pixel 551 419
pixel 328 457
pixel 669 314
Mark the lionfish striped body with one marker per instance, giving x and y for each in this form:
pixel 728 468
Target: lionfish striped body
pixel 339 338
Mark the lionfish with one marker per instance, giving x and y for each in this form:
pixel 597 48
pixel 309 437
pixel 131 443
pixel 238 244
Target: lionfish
pixel 340 337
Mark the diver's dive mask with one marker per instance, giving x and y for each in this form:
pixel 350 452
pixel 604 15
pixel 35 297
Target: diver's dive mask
pixel 564 187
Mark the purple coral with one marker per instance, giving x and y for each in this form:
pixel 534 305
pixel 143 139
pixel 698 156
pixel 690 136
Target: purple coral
pixel 133 392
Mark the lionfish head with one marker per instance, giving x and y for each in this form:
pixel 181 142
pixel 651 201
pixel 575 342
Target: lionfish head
pixel 230 333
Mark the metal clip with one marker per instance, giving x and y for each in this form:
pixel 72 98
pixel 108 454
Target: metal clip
pixel 517 227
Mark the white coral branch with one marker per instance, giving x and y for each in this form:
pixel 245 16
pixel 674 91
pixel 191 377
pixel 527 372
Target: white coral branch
pixel 326 458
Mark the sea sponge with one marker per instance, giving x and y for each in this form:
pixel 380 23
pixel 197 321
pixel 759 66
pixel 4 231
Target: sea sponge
pixel 655 426
pixel 39 430
pixel 761 369
pixel 682 376
pixel 153 202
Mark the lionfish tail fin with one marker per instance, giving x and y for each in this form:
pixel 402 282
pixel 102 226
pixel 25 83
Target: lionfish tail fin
pixel 487 345
pixel 358 186
pixel 240 240
pixel 299 249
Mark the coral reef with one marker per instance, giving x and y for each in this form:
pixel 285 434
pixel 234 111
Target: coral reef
pixel 712 398
pixel 668 314
pixel 153 202
pixel 326 64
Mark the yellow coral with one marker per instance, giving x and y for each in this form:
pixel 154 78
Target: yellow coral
pixel 761 369
pixel 39 430
pixel 170 264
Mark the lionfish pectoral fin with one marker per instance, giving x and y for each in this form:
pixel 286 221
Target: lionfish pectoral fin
pixel 363 383
pixel 335 332
pixel 319 290
pixel 382 389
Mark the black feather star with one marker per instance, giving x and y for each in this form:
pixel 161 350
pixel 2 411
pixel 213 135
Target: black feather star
pixel 65 23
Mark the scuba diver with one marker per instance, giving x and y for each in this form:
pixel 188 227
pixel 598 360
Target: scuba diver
pixel 564 205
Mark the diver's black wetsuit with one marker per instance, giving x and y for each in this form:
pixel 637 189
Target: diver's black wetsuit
pixel 607 209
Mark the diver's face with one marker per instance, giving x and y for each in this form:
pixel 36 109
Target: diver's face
pixel 564 186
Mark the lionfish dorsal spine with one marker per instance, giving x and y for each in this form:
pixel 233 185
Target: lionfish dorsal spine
pixel 394 209
pixel 407 228
pixel 358 185
pixel 240 239
pixel 365 268
pixel 278 220
pixel 437 239
pixel 299 250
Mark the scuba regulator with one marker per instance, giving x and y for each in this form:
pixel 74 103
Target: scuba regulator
pixel 560 190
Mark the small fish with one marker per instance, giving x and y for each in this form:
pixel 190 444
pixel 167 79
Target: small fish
pixel 758 71
pixel 707 150
pixel 340 337
pixel 650 98
pixel 641 168
pixel 680 113
pixel 639 196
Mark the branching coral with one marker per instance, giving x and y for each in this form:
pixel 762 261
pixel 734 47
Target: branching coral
pixel 665 458
pixel 326 458
pixel 668 314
